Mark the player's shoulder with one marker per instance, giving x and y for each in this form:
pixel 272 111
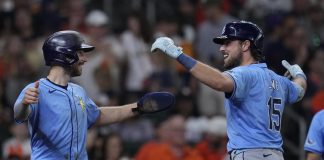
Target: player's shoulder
pixel 319 115
pixel 276 76
pixel 75 86
pixel 248 69
pixel 251 67
pixel 31 84
pixel 239 69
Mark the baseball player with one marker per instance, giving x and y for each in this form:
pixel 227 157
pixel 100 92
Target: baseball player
pixel 314 144
pixel 59 112
pixel 255 95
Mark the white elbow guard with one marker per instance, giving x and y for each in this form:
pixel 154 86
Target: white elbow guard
pixel 301 92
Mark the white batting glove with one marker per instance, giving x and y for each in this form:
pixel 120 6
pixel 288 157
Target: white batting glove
pixel 294 70
pixel 166 45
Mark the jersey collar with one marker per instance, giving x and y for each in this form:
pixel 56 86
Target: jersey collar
pixel 261 65
pixel 53 87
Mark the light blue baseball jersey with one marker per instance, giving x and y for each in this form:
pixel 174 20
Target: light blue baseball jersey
pixel 58 123
pixel 254 108
pixel 315 137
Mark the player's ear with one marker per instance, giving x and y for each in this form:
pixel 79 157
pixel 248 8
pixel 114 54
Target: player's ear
pixel 246 45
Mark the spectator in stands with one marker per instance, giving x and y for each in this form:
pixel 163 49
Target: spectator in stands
pixel 113 148
pixel 213 145
pixel 317 77
pixel 104 64
pixel 135 41
pixel 211 102
pixel 173 147
pixel 17 147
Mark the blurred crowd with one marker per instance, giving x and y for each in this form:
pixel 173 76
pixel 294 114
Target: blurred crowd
pixel 121 69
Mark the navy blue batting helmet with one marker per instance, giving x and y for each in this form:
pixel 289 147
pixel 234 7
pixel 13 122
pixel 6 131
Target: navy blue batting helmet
pixel 61 47
pixel 242 30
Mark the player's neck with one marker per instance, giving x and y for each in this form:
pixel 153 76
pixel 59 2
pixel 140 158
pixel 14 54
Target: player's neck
pixel 248 60
pixel 59 76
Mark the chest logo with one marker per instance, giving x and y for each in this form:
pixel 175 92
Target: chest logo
pixel 81 103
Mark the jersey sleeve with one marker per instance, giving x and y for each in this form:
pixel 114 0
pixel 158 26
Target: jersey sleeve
pixel 93 112
pixel 242 79
pixel 315 136
pixel 20 98
pixel 292 91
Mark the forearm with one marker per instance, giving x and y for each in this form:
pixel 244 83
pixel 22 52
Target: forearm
pixel 301 85
pixel 21 112
pixel 113 114
pixel 212 77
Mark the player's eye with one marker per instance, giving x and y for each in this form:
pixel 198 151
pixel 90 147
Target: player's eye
pixel 227 42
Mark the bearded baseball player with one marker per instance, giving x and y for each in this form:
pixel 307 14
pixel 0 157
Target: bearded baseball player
pixel 60 112
pixel 255 95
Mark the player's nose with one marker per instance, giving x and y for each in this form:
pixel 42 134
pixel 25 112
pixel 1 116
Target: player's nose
pixel 222 49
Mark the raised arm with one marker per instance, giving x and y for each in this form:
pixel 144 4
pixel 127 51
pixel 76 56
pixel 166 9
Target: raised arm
pixel 204 73
pixel 298 77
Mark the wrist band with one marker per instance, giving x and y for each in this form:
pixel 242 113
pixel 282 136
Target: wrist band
pixel 186 61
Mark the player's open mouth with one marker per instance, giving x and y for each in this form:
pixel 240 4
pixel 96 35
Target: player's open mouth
pixel 225 56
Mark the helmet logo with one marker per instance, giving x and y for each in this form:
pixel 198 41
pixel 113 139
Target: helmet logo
pixel 223 31
pixel 233 28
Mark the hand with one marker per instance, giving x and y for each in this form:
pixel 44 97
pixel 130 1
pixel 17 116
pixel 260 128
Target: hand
pixel 31 95
pixel 167 46
pixel 154 102
pixel 293 70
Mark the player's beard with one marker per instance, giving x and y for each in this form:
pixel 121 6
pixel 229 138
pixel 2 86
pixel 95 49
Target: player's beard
pixel 233 61
pixel 76 70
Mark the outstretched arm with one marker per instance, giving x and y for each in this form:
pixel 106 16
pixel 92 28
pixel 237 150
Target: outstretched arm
pixel 212 77
pixel 149 103
pixel 113 114
pixel 204 73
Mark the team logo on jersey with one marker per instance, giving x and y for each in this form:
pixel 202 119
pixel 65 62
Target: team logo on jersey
pixel 81 103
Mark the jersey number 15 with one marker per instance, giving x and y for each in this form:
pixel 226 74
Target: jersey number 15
pixel 274 114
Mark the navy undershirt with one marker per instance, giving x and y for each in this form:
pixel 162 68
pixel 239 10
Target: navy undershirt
pixel 64 87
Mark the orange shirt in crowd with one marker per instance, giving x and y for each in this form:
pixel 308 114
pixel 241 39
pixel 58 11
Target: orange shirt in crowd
pixel 162 151
pixel 208 153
